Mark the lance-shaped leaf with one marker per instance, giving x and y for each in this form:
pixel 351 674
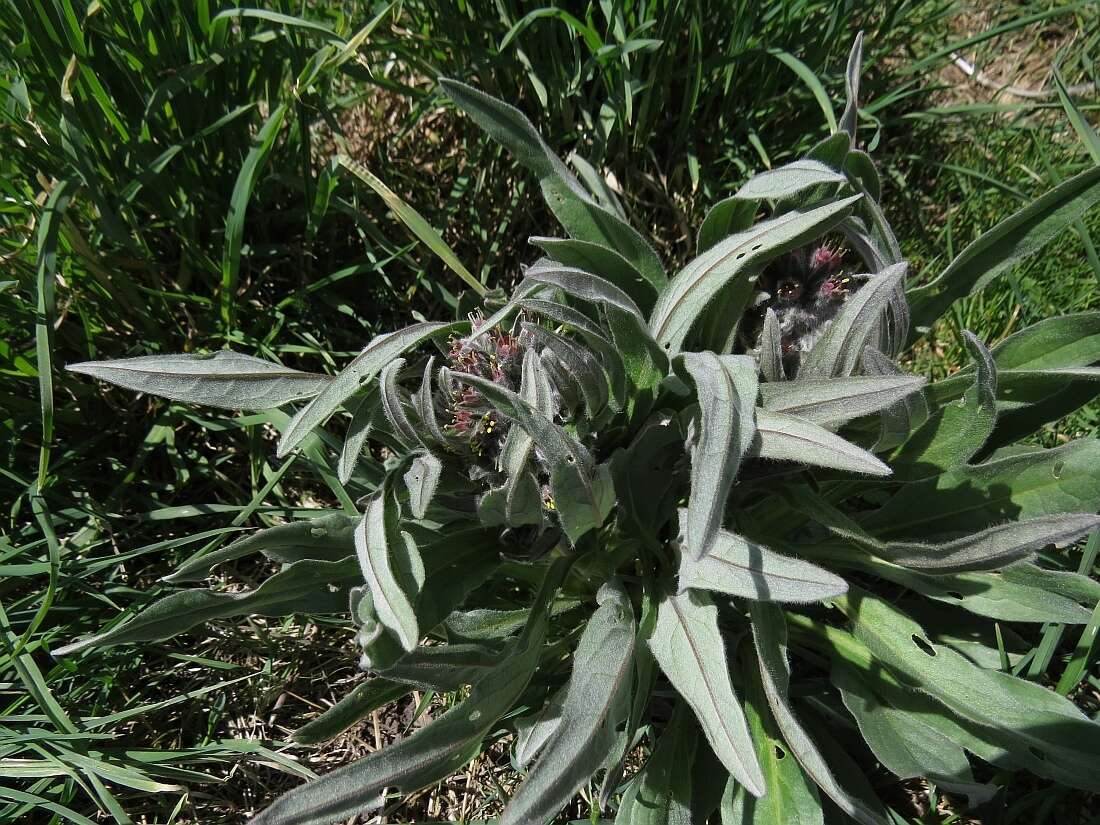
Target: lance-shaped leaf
pixel 991 594
pixel 359 431
pixel 362 369
pixel 993 548
pixel 432 752
pixel 610 358
pixel 899 420
pixel 596 701
pixel 302 587
pixel 792 798
pixel 902 742
pixel 581 216
pixel 788 180
pixel 688 647
pixel 973 497
pixel 661 793
pixel 849 118
pixel 534 731
pixel 1014 238
pixel 602 261
pixel 832 401
pixel 421 481
pixel 1034 718
pixel 381 547
pixel 425 406
pixel 582 285
pixel 696 286
pixel 723 219
pixel 1045 355
pixel 222 379
pixel 769 630
pixel 367 696
pixel 646 479
pixel 326 538
pixel 838 350
pixel 535 389
pixel 444 667
pixel 771 349
pixel 789 438
pixel 955 433
pixel 740 567
pixel 580 362
pixel 726 388
pixel 394 402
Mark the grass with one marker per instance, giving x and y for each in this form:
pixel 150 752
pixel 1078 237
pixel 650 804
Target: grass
pixel 194 206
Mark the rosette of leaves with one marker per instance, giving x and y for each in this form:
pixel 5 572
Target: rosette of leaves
pixel 615 520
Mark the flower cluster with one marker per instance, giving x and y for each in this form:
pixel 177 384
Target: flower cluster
pixel 497 355
pixel 805 288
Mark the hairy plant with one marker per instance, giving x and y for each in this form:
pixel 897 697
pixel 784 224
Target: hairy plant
pixel 709 511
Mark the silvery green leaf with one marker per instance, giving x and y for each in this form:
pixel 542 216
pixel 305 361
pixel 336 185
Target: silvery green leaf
pixel 688 646
pixel 903 743
pixel 610 358
pixel 646 477
pixel 789 438
pixel 378 543
pixel 724 219
pixel 832 401
pixel 325 538
pixel 1016 237
pixel 990 594
pixel 788 180
pixel 954 433
pixel 994 547
pixel 1033 718
pixel 359 431
pixel 444 667
pixel 221 379
pixel 838 350
pixel 369 695
pixel 849 118
pixel 421 481
pixel 535 730
pixel 861 170
pixel 769 630
pixel 695 287
pixel 535 389
pixel 301 587
pixel 792 798
pixel 661 792
pixel 582 285
pixel 433 752
pixel 599 259
pixel 580 362
pixel 581 216
pixel 522 500
pixel 771 349
pixel 739 567
pixel 972 497
pixel 597 184
pixel 900 419
pixel 394 401
pixel 361 370
pixel 726 387
pixel 1052 343
pixel 582 499
pixel 597 699
pixel 425 406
